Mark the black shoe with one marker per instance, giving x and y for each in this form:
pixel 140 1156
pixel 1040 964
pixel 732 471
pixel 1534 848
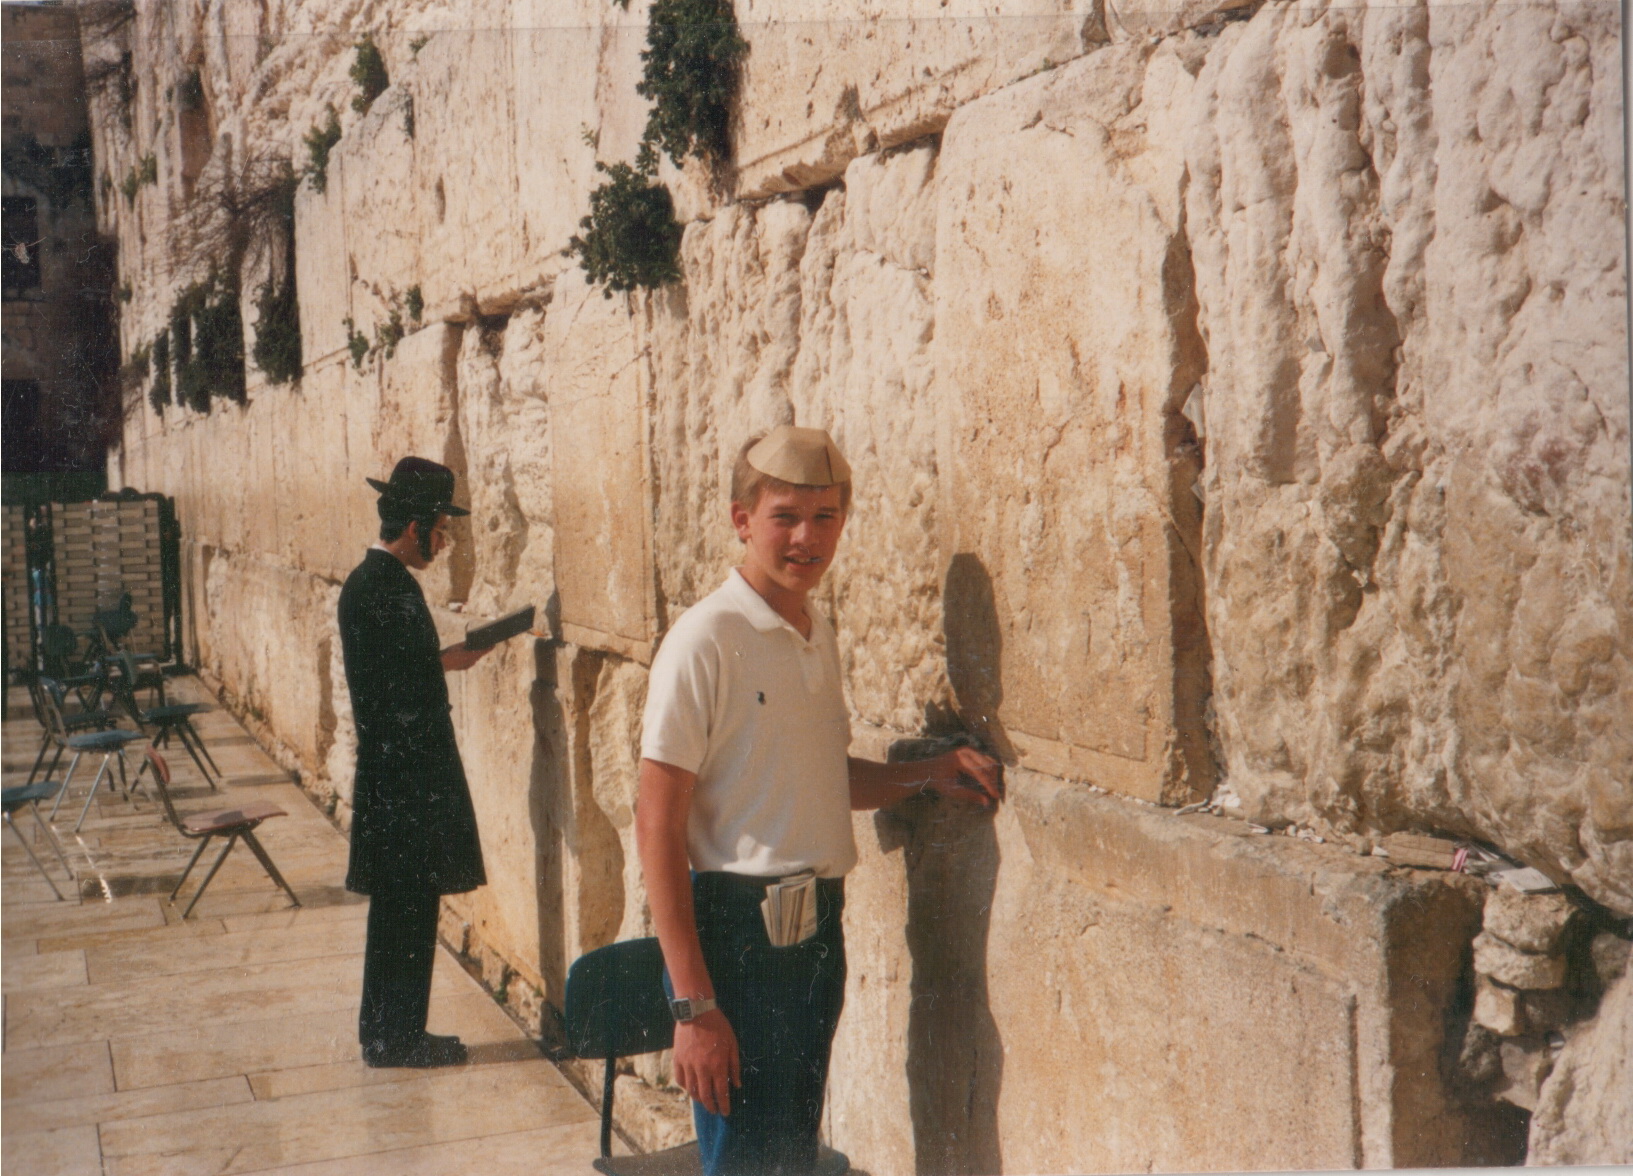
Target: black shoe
pixel 421 1053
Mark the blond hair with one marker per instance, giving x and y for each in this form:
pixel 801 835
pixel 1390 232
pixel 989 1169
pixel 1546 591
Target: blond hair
pixel 749 484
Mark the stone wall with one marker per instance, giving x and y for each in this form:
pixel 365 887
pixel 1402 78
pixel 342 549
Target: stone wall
pixel 1236 395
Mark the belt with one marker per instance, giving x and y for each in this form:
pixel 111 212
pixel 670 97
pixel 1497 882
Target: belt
pixel 725 878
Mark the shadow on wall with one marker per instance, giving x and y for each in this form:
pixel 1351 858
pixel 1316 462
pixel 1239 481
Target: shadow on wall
pixel 547 782
pixel 955 1058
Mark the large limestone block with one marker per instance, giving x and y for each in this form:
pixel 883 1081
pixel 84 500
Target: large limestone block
pixel 469 223
pixel 1584 1114
pixel 494 709
pixel 376 159
pixel 323 275
pixel 419 414
pixel 267 634
pixel 504 425
pixel 594 382
pixel 1405 225
pixel 825 81
pixel 867 316
pixel 1195 985
pixel 1531 922
pixel 721 352
pixel 574 66
pixel 615 756
pixel 1063 352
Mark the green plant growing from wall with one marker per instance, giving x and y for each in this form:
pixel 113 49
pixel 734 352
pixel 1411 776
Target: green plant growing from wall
pixel 277 350
pixel 369 72
pixel 125 292
pixel 690 71
pixel 128 186
pixel 631 237
pixel 414 303
pixel 357 343
pixel 159 394
pixel 408 116
pixel 389 333
pixel 320 140
pixel 207 336
pixel 135 369
pixel 148 173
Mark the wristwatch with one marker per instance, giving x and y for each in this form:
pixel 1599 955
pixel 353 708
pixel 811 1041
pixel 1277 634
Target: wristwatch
pixel 689 1008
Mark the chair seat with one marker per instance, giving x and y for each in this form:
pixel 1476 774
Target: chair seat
pixel 103 740
pixel 15 798
pixel 221 820
pixel 176 710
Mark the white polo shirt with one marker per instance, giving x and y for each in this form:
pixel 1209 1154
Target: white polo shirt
pixel 740 698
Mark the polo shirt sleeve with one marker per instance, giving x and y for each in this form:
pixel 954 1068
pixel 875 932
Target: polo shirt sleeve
pixel 680 698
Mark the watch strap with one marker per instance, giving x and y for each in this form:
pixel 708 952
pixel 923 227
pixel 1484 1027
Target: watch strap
pixel 689 1008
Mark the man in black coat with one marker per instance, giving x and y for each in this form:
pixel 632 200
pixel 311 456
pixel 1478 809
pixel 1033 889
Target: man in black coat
pixel 413 827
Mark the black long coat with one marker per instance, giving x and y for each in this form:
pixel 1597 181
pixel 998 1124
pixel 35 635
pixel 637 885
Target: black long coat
pixel 412 820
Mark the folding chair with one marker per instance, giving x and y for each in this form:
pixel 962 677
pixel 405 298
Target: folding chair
pixel 616 1007
pixel 167 719
pixel 110 743
pixel 30 795
pixel 233 824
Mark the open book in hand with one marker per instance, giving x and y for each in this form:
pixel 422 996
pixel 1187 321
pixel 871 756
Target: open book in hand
pixel 790 909
pixel 489 635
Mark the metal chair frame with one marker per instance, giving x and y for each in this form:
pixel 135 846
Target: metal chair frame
pixel 167 718
pixel 30 795
pixel 234 824
pixel 51 695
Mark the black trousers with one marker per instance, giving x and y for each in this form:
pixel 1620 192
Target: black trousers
pixel 397 959
pixel 783 1004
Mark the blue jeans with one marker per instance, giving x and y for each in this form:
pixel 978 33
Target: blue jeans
pixel 783 1004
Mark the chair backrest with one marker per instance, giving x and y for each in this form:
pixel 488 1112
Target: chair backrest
pixel 120 669
pixel 615 1001
pixel 53 697
pixel 58 645
pixel 161 781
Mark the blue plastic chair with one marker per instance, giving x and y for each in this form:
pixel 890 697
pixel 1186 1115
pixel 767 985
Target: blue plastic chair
pixel 29 796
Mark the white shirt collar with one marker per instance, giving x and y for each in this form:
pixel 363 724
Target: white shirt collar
pixel 760 614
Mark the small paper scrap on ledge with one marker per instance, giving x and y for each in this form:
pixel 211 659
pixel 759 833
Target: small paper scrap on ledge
pixel 1525 879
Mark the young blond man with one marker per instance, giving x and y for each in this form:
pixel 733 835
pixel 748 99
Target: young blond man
pixel 745 782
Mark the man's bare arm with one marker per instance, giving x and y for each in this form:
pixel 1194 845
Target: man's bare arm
pixel 705 1059
pixel 964 775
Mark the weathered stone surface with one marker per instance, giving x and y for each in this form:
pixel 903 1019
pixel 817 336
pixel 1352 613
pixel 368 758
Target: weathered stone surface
pixel 1610 954
pixel 1064 350
pixel 1584 1113
pixel 864 372
pixel 1530 922
pixel 1498 1007
pixel 721 354
pixel 1398 218
pixel 1516 968
pixel 593 382
pixel 1110 944
pixel 826 81
pixel 1526 1065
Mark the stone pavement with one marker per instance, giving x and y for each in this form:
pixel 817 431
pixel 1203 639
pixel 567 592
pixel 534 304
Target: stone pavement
pixel 137 1044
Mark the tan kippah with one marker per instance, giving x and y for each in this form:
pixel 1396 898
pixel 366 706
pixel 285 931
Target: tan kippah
pixel 801 457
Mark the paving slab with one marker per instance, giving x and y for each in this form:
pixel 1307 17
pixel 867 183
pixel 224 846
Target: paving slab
pixel 137 1041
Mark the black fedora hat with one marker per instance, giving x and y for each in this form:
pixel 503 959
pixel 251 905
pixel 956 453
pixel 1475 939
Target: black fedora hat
pixel 418 487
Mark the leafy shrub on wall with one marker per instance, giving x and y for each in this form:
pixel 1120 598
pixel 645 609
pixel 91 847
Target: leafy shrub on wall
pixel 691 68
pixel 631 237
